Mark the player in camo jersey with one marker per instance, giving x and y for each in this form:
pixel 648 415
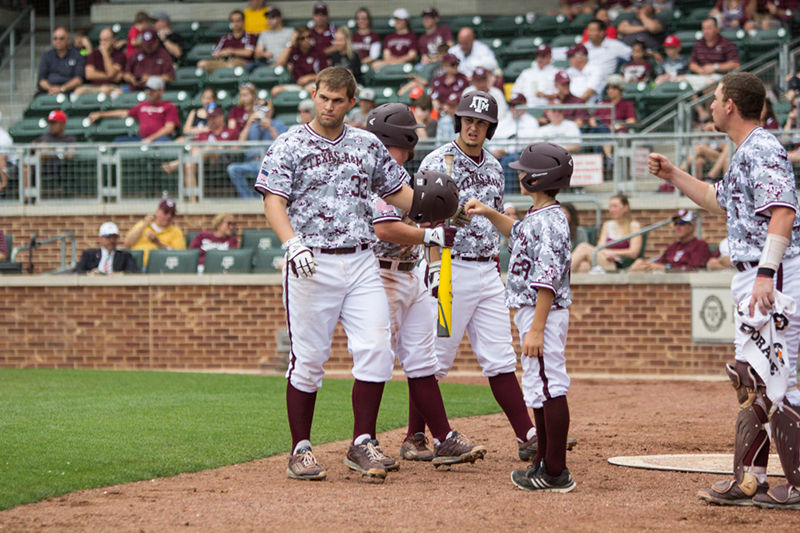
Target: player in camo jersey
pixel 412 311
pixel 478 306
pixel 759 199
pixel 318 182
pixel 538 287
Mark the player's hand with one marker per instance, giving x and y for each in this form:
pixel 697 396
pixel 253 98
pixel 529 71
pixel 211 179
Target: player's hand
pixel 301 258
pixel 442 236
pixel 659 166
pixel 533 343
pixel 473 207
pixel 461 218
pixel 432 277
pixel 763 295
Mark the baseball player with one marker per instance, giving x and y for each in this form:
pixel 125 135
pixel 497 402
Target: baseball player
pixel 412 311
pixel 317 181
pixel 538 287
pixel 478 305
pixel 759 199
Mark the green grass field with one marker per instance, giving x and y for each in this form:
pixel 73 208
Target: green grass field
pixel 65 430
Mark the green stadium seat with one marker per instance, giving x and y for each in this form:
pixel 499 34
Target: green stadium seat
pixel 141 170
pixel 42 104
pixel 498 46
pixel 189 236
pixel 212 31
pixel 763 41
pixel 512 71
pixel 181 99
pixel 228 261
pixel 522 48
pixel 109 128
pixel 591 234
pixel 465 21
pixel 417 26
pixel 394 76
pixel 189 78
pixel 27 129
pixel 198 52
pixel 138 256
pixel 506 26
pixel 120 31
pixel 80 128
pixel 188 30
pixel 289 100
pixel 128 100
pixel 548 26
pixel 566 41
pixel 693 19
pixel 267 77
pixel 225 98
pixel 172 261
pixel 227 78
pixel 383 26
pixel 259 238
pixel 662 94
pixel 579 23
pixel 267 260
pixel 634 91
pixel 688 38
pixel 88 103
pixel 290 119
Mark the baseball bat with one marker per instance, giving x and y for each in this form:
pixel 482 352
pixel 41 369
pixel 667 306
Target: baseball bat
pixel 445 299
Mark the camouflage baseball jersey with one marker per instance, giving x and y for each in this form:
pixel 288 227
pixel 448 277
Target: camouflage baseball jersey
pixel 483 181
pixel 540 257
pixel 760 177
pixel 329 184
pixel 384 212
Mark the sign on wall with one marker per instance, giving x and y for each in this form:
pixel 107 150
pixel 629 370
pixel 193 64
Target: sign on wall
pixel 587 170
pixel 712 314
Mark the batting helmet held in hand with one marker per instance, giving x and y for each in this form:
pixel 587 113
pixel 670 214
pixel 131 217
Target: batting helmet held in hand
pixel 435 197
pixel 547 166
pixel 477 104
pixel 394 124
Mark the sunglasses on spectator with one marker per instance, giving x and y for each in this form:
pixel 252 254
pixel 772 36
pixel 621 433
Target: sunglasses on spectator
pixel 681 223
pixel 60 37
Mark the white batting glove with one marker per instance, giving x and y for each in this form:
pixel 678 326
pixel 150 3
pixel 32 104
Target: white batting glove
pixel 442 236
pixel 432 277
pixel 300 258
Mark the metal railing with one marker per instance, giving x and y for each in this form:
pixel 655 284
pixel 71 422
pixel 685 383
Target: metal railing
pixel 643 231
pixel 10 60
pixel 34 243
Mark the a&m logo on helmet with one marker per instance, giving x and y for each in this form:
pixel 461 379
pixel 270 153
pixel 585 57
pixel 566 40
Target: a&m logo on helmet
pixel 480 104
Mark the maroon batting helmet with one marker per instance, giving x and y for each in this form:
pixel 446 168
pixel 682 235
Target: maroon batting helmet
pixel 435 197
pixel 477 104
pixel 395 125
pixel 546 166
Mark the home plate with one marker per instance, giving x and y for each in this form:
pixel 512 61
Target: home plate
pixel 706 463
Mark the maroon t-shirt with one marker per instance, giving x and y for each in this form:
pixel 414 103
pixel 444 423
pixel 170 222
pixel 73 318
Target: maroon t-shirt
pixel 399 45
pixel 245 41
pixel 308 63
pixel 623 110
pixel 690 256
pixel 724 50
pixel 240 116
pixel 95 59
pixel 637 71
pixel 159 63
pixel 206 240
pixel 575 115
pixel 323 39
pixel 223 136
pixel 428 44
pixel 362 43
pixel 440 89
pixel 152 117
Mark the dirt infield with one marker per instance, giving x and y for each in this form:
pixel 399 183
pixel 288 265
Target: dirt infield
pixel 609 418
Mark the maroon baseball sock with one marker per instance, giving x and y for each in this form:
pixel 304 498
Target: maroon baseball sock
pixel 300 411
pixel 556 416
pixel 366 402
pixel 541 435
pixel 416 422
pixel 505 388
pixel 426 394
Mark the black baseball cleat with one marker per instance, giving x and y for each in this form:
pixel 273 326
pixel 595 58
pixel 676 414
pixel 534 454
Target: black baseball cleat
pixel 536 478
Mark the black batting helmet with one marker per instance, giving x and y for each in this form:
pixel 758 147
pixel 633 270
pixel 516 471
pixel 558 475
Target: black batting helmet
pixel 477 104
pixel 435 197
pixel 395 125
pixel 546 166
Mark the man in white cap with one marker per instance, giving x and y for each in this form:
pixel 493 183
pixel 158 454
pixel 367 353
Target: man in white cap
pixel 687 252
pixel 106 259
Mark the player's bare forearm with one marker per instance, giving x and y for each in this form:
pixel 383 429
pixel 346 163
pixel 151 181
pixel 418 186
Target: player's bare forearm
pixel 502 222
pixel 278 219
pixel 533 343
pixel 399 233
pixel 402 199
pixel 781 221
pixel 697 190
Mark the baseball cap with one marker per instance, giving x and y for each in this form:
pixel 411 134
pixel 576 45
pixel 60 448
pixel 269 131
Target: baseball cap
pixel 518 99
pixel 416 92
pixel 366 94
pixel 450 59
pixel 480 73
pixel 214 109
pixel 672 40
pixel 160 15
pixel 56 115
pixel 107 229
pixel 544 50
pixel 167 205
pixel 401 13
pixel 615 80
pixel 577 49
pixel 684 215
pixel 320 8
pixel 274 12
pixel 154 83
pixel 430 12
pixel 148 37
pixel 562 76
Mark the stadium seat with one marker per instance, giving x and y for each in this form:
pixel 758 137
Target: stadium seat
pixel 27 129
pixel 120 31
pixel 181 99
pixel 662 94
pixel 512 71
pixel 198 52
pixel 79 173
pixel 579 23
pixel 591 234
pixel 522 48
pixel 188 30
pixel 268 77
pixel 763 41
pixel 565 41
pixel 634 91
pixel 693 19
pixel 228 261
pixel 688 38
pixel 290 119
pixel 225 98
pixel 88 103
pixel 417 27
pixel 141 171
pixel 79 127
pixel 259 238
pixel 394 76
pixel 289 100
pixel 465 21
pixel 128 100
pixel 109 128
pixel 507 26
pixel 189 236
pixel 548 26
pixel 267 260
pixel 383 26
pixel 211 31
pixel 42 104
pixel 138 256
pixel 189 79
pixel 227 78
pixel 172 261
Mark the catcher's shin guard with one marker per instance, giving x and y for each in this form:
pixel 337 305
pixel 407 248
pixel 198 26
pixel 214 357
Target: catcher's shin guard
pixel 751 435
pixel 785 423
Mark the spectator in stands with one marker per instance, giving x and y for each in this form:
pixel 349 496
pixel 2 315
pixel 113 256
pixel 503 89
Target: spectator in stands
pixel 197 118
pixel 322 31
pixel 156 232
pixel 245 106
pixel 687 252
pixel 646 27
pixel 365 41
pixel 151 61
pixel 52 160
pixel 483 80
pixel 302 60
pixel 234 49
pixel 563 96
pixel 537 82
pixel 712 56
pixel 171 41
pixel 721 259
pixel 366 102
pixel 400 46
pixel 472 54
pixel 8 160
pixel 445 128
pixel 624 112
pixel 601 13
pixel 451 82
pixel 766 14
pixel 768 119
pixel 605 54
pixel 106 259
pixel 261 126
pixel 573 8
pixel 730 14
pixel 141 23
pixel 5 253
pixel 255 17
pixel 560 130
pixel 104 67
pixel 435 35
pixel 158 119
pixel 662 5
pixel 218 132
pixel 82 42
pixel 674 66
pixel 422 106
pixel 514 131
pixel 577 234
pixel 344 55
pixel 61 68
pixel 272 41
pixel 222 237
pixel 306 111
pixel 620 225
pixel 586 80
pixel 639 67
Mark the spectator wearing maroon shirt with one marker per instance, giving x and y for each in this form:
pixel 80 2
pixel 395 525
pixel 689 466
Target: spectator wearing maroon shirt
pixel 151 61
pixel 767 14
pixel 712 56
pixel 246 106
pixel 218 132
pixel 322 31
pixel 451 82
pixel 234 49
pixel 222 237
pixel 51 160
pixel 104 67
pixel 302 59
pixel 366 42
pixel 624 112
pixel 686 253
pixel 435 35
pixel 564 96
pixel 639 67
pixel 158 119
pixel 401 46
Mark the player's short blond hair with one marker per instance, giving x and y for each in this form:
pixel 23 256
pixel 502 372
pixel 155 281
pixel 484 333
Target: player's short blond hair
pixel 337 78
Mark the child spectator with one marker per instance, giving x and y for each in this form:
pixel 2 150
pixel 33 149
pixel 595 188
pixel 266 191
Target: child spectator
pixel 141 23
pixel 674 66
pixel 639 67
